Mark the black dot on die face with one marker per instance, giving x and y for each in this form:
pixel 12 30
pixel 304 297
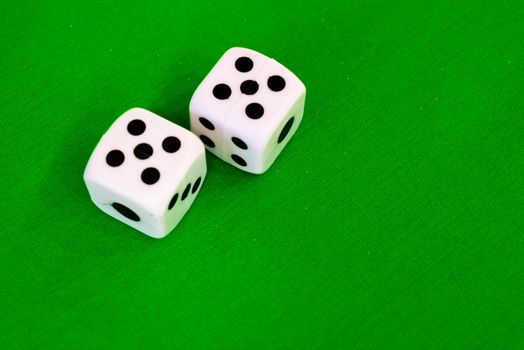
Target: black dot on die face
pixel 172 202
pixel 249 87
pixel 150 176
pixel 143 151
pixel 115 158
pixel 136 127
pixel 254 110
pixel 207 141
pixel 206 123
pixel 222 91
pixel 244 64
pixel 171 144
pixel 276 83
pixel 196 185
pixel 125 211
pixel 239 143
pixel 186 191
pixel 239 160
pixel 285 130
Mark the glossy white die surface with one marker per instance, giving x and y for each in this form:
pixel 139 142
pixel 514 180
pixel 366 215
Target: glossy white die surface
pixel 132 182
pixel 258 110
pixel 215 110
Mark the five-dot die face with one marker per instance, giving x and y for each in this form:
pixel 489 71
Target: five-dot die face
pixel 247 108
pixel 146 172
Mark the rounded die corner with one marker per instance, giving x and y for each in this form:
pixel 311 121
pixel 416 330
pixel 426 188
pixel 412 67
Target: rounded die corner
pixel 242 49
pixel 135 109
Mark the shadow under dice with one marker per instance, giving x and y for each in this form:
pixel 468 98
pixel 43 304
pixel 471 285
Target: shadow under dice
pixel 146 172
pixel 247 109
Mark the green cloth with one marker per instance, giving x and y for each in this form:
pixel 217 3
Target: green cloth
pixel 393 219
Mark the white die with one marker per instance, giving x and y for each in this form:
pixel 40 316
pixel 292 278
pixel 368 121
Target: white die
pixel 247 109
pixel 146 172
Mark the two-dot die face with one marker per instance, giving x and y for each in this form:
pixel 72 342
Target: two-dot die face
pixel 247 109
pixel 146 172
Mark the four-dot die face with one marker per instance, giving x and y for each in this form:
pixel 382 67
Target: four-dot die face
pixel 146 172
pixel 247 108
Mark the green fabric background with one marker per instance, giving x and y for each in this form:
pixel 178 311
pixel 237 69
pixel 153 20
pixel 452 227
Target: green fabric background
pixel 393 219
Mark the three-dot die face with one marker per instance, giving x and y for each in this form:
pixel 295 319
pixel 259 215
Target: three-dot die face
pixel 141 170
pixel 247 108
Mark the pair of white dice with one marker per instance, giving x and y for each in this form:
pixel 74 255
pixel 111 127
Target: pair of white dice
pixel 146 171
